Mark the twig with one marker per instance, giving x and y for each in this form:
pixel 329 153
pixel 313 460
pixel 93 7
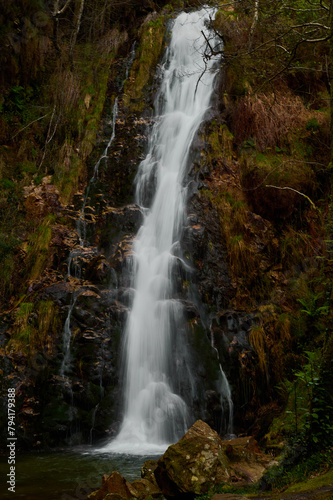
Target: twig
pixel 37 119
pixel 295 191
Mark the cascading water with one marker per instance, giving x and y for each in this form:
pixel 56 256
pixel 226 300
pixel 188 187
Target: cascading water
pixel 155 378
pixel 73 265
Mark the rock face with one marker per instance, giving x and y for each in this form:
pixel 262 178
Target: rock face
pixel 193 464
pixel 247 463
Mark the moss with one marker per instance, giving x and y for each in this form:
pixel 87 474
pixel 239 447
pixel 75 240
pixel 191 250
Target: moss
pixel 38 249
pixel 20 336
pixel 49 324
pixel 220 141
pixel 271 181
pixel 204 351
pixel 35 327
pixel 68 182
pixel 143 68
pixel 313 483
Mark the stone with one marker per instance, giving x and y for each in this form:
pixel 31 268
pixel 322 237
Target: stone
pixel 114 487
pixel 194 464
pixel 148 469
pixel 247 462
pixel 146 488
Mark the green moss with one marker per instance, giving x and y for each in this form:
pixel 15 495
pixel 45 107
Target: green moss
pixel 312 483
pixel 220 140
pixel 49 324
pixel 148 54
pixel 204 352
pixel 38 248
pixel 22 329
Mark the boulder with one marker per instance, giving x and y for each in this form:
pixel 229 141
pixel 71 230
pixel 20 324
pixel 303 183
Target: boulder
pixel 147 471
pixel 146 489
pixel 114 487
pixel 194 464
pixel 247 463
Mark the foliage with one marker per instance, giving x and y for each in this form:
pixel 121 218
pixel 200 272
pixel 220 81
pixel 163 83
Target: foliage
pixel 296 467
pixel 148 53
pixel 318 411
pixel 282 36
pixel 266 119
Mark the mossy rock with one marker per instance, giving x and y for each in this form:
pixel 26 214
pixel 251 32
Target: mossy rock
pixel 148 55
pixel 194 464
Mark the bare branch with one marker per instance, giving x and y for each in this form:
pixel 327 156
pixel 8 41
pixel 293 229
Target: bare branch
pixel 295 191
pixel 37 120
pixel 58 12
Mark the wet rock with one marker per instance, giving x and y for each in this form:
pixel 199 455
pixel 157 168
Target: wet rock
pixel 147 471
pixel 194 464
pixel 59 292
pixel 203 242
pixel 98 270
pixel 146 489
pixel 114 487
pixel 117 223
pixel 247 462
pixel 127 219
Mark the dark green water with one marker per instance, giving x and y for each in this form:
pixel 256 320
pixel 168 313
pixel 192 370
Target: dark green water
pixel 67 475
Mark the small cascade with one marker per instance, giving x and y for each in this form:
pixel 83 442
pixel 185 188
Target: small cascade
pixel 67 336
pixel 159 385
pixel 227 405
pixel 226 400
pixel 74 271
pixel 81 225
pixel 130 61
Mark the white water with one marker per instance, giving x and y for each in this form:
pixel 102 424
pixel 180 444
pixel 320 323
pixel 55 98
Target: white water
pixel 155 414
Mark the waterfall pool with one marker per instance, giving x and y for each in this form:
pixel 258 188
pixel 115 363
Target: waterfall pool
pixel 66 475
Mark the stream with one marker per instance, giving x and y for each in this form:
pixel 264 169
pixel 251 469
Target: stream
pixel 67 474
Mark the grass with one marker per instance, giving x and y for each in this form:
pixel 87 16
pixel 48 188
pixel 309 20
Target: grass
pixel 312 483
pixel 22 329
pixel 38 248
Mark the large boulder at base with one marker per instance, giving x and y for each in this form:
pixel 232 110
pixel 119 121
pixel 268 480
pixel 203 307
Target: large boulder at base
pixel 194 464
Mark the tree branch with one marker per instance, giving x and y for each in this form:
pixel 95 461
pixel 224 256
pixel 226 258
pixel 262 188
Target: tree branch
pixel 295 191
pixel 37 120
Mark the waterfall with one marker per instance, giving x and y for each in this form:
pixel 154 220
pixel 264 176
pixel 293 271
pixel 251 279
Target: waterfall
pixel 158 383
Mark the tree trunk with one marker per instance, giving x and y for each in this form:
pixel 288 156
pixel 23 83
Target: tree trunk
pixel 77 28
pixel 331 82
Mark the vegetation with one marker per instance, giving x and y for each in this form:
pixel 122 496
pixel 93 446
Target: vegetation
pixel 276 166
